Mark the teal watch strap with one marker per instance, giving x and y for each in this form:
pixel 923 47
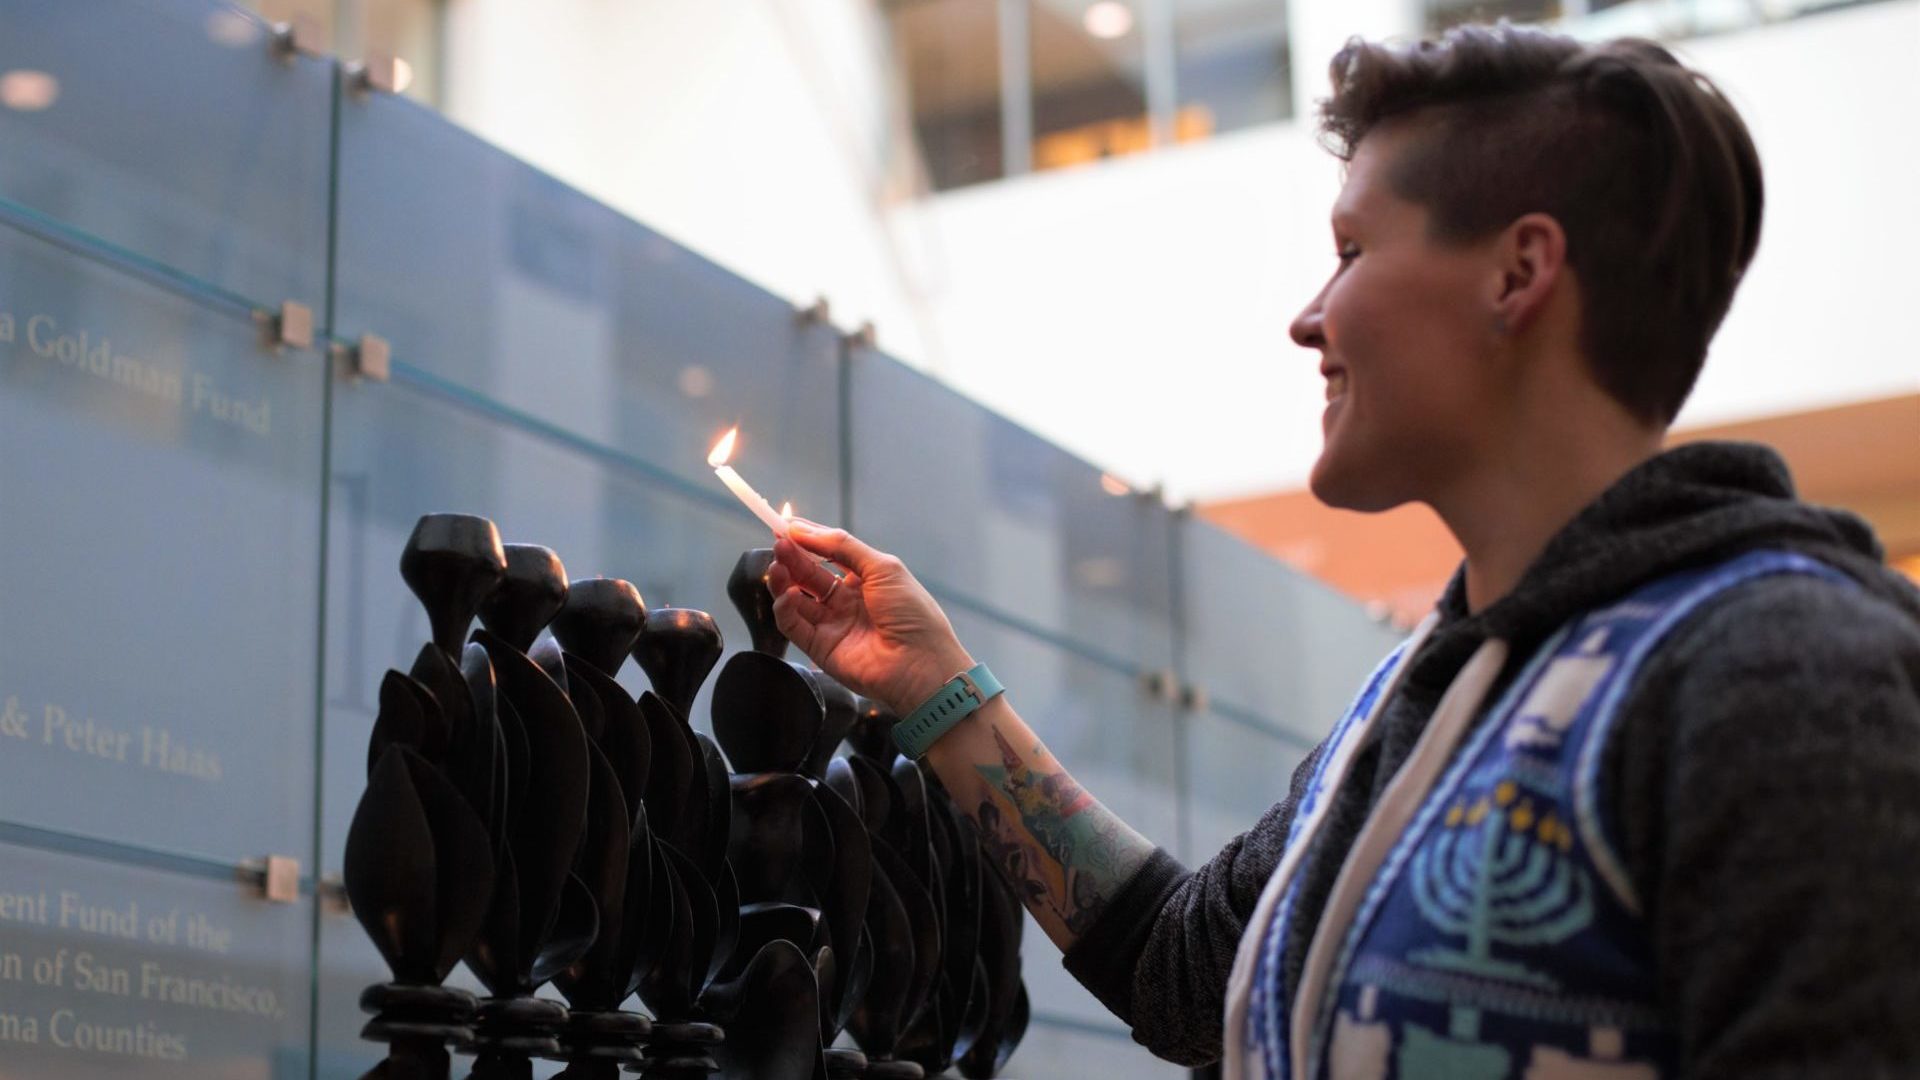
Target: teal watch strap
pixel 948 706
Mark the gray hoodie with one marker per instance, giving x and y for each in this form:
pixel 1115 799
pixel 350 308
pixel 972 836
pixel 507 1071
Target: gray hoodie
pixel 1766 779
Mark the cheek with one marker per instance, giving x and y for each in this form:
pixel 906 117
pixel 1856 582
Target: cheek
pixel 1379 311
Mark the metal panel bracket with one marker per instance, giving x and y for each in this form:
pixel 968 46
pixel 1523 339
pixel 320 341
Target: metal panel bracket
pixel 1159 684
pixel 293 327
pixel 1193 698
pixel 373 358
pixel 379 73
pixel 816 313
pixel 299 36
pixel 276 877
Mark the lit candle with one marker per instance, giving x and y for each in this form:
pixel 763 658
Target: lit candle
pixel 723 450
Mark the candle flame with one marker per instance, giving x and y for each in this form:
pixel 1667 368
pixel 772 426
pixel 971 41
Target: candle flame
pixel 786 509
pixel 723 449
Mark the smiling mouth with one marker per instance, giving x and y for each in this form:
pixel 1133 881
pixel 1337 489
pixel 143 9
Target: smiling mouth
pixel 1336 384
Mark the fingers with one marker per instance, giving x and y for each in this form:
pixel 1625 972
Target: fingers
pixel 836 544
pixel 797 615
pixel 796 567
pixel 779 578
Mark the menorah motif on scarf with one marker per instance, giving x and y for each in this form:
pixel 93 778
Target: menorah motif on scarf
pixel 1498 872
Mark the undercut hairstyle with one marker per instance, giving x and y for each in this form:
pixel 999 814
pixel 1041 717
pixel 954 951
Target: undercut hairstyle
pixel 1646 166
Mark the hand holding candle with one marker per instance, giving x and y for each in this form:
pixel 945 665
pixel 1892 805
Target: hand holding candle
pixel 723 450
pixel 877 630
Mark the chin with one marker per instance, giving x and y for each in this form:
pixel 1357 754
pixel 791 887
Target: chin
pixel 1346 483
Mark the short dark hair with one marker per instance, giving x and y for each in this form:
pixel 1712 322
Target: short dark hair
pixel 1643 162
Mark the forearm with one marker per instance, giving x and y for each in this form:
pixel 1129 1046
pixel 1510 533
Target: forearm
pixel 1064 853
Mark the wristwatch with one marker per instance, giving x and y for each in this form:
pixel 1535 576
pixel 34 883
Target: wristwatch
pixel 949 705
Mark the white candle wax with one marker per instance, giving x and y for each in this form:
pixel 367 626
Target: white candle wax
pixel 751 498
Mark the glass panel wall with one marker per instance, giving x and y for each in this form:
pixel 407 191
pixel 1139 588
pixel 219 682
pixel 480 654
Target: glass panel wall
pixel 171 131
pixel 159 513
pixel 109 970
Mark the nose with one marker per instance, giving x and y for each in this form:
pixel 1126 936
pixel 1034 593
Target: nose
pixel 1309 327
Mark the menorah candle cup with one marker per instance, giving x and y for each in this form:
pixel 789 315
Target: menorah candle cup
pixel 747 588
pixel 677 648
pixel 600 621
pixel 528 596
pixel 451 562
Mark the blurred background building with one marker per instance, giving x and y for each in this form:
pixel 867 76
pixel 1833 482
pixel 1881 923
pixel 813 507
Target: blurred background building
pixel 1098 216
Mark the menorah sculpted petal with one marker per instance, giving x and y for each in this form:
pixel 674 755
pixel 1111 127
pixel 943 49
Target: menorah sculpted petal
pixel 408 716
pixel 419 861
pixel 547 812
pixel 909 828
pixel 877 1021
pixel 712 856
pixel 877 796
pixel 477 758
pixel 765 922
pixel 841 711
pixel 766 714
pixel 622 734
pixel 770 1011
pixel 575 926
pixel 1001 925
pixel 601 866
pixel 844 906
pixel 670 778
pixel 989 1054
pixel 767 843
pixel 923 917
pixel 547 655
pixel 437 672
pixel 416 854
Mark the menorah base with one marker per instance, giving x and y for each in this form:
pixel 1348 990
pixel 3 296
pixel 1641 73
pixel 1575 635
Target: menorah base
pixel 417 1022
pixel 845 1064
pixel 682 1051
pixel 596 1044
pixel 510 1033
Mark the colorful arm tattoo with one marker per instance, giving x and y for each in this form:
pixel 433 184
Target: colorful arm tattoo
pixel 1060 849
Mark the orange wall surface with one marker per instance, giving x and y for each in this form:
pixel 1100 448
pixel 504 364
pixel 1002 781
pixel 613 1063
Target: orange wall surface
pixel 1863 457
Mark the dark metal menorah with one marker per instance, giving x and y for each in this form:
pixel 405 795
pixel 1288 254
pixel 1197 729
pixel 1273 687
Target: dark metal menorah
pixel 526 815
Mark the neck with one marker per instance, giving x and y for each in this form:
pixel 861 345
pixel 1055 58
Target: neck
pixel 1530 484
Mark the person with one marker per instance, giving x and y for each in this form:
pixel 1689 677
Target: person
pixel 1642 796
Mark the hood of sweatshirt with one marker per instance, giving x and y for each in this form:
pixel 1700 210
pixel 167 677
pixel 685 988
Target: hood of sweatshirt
pixel 1694 505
